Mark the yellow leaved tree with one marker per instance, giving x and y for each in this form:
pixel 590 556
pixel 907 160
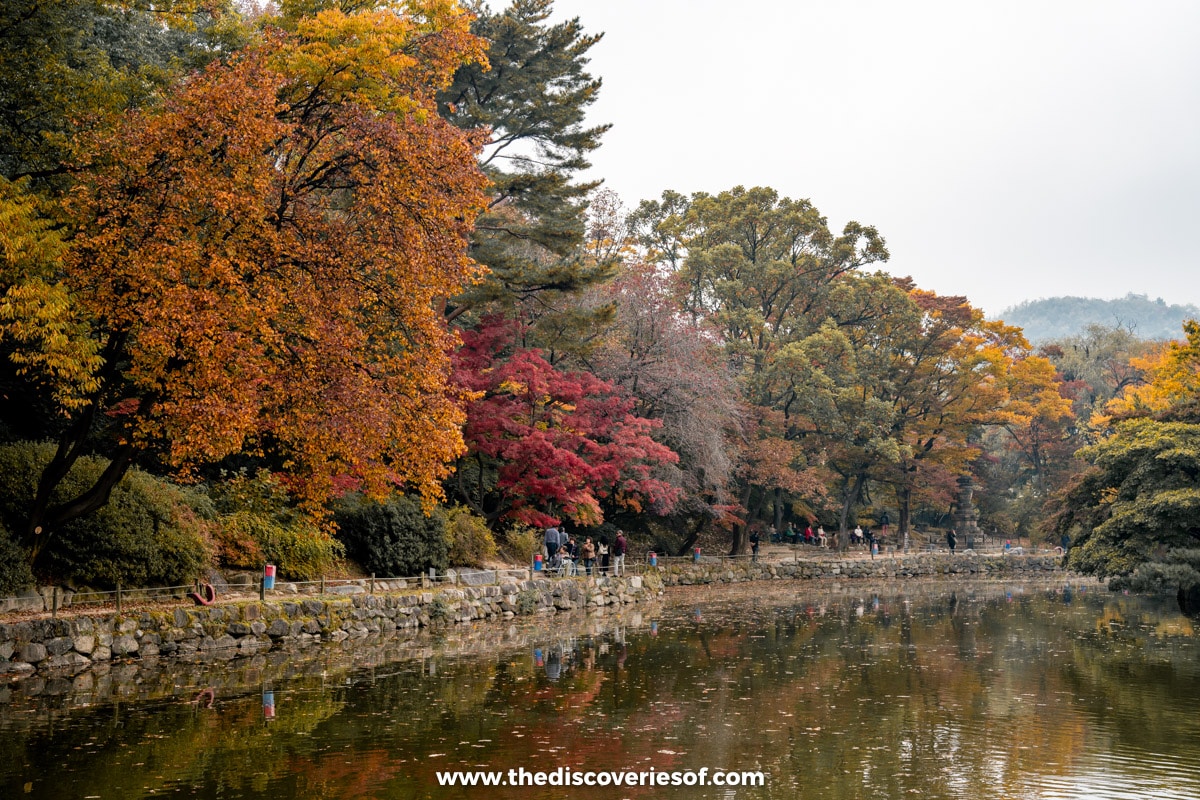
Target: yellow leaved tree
pixel 252 264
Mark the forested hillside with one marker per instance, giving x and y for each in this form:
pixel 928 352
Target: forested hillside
pixel 1054 318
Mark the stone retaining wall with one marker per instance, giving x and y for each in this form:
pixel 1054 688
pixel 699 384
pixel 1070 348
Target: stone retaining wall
pixel 40 700
pixel 919 565
pixel 49 598
pixel 247 627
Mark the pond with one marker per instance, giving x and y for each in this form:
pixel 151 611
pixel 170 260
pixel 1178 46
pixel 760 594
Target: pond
pixel 929 690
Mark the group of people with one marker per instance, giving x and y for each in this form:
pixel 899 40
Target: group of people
pixel 566 557
pixel 790 535
pixel 817 538
pixel 861 536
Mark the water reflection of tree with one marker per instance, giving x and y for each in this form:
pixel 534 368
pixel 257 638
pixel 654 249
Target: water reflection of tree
pixel 859 695
pixel 151 749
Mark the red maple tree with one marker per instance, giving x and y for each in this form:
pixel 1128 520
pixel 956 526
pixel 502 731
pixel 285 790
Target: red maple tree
pixel 546 444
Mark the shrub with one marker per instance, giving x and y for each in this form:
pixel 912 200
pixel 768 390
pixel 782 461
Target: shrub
pixel 665 542
pixel 468 537
pixel 522 542
pixel 439 610
pixel 235 544
pixel 297 547
pixel 15 574
pixel 151 532
pixel 527 602
pixel 20 467
pixel 395 538
pixel 261 526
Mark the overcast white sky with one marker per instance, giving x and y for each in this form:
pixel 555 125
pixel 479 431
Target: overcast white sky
pixel 1006 150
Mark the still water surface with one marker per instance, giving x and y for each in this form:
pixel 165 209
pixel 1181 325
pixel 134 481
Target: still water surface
pixel 987 691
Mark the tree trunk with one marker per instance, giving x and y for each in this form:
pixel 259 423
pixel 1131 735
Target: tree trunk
pixel 70 448
pixel 778 518
pixel 44 519
pixel 701 524
pixel 853 492
pixel 904 498
pixel 741 534
pixel 760 506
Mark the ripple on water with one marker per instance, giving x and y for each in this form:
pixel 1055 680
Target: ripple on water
pixel 1115 776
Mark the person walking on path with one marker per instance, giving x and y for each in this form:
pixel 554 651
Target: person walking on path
pixel 754 545
pixel 951 540
pixel 618 553
pixel 589 556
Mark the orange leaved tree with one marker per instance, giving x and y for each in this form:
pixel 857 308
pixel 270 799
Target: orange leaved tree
pixel 256 261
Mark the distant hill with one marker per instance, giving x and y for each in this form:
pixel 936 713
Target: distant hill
pixel 1056 318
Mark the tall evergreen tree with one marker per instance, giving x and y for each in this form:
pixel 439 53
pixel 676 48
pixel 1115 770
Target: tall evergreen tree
pixel 533 96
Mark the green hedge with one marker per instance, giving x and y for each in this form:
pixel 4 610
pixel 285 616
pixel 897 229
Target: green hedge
pixel 15 574
pixel 151 532
pixel 394 538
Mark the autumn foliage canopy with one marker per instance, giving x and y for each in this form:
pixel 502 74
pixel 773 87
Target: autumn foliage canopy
pixel 559 443
pixel 255 261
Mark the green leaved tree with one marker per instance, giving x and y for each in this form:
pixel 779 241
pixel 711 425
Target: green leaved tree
pixel 760 270
pixel 1135 514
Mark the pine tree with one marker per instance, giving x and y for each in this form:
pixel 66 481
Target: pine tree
pixel 533 97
